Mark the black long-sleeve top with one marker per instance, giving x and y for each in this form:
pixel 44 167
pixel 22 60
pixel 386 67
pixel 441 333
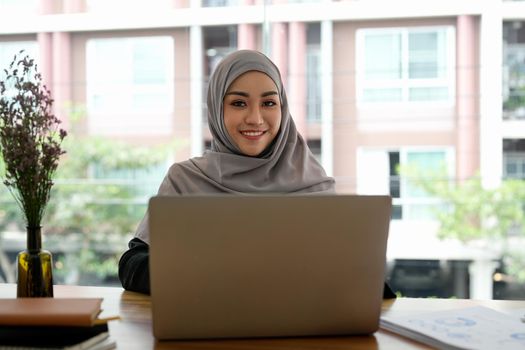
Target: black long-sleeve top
pixel 133 269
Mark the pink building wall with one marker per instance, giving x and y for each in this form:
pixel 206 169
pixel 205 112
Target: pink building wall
pixel 354 126
pixel 63 62
pixel 467 100
pixel 297 75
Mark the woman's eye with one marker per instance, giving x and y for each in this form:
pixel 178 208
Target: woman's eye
pixel 238 104
pixel 269 103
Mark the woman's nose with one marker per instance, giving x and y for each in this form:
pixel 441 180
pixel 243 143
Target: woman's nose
pixel 254 116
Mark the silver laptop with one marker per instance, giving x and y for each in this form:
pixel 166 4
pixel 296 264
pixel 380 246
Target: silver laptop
pixel 267 266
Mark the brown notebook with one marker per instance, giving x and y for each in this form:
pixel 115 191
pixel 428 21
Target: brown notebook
pixel 50 311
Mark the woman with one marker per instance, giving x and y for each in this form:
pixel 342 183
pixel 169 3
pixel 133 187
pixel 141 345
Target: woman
pixel 255 149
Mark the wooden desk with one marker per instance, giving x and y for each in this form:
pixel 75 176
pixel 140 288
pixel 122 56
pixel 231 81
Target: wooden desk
pixel 133 331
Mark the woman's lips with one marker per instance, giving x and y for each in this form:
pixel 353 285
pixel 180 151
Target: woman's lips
pixel 252 134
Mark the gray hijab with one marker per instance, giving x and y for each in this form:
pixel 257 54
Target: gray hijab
pixel 286 166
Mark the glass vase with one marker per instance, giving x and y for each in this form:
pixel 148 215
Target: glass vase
pixel 35 268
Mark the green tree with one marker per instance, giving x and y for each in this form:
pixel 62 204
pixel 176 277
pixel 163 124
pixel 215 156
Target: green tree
pixel 472 212
pixel 100 213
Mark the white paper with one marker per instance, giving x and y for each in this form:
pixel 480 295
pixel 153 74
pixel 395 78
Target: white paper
pixel 470 328
pixel 517 313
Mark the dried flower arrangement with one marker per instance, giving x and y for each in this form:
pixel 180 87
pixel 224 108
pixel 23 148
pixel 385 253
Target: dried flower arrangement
pixel 30 137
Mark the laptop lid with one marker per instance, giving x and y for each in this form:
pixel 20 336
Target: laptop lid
pixel 267 266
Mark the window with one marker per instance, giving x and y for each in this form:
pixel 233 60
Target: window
pixel 219 41
pixel 18 7
pixel 130 85
pixel 7 52
pixel 514 166
pixel 513 70
pixel 219 3
pixel 514 158
pixel 141 182
pixel 315 147
pixel 378 173
pixel 10 48
pixel 405 65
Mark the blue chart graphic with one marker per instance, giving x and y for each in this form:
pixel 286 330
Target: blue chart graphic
pixel 518 336
pixel 456 322
pixel 462 336
pixel 515 341
pixel 477 328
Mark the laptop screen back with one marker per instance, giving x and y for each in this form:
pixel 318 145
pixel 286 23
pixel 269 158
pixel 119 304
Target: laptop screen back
pixel 258 266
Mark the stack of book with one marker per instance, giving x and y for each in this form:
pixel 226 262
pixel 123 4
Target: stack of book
pixel 53 323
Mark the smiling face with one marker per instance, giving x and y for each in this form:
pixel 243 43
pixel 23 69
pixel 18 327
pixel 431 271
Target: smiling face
pixel 252 112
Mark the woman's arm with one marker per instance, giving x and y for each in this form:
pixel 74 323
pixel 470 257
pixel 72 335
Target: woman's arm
pixel 133 267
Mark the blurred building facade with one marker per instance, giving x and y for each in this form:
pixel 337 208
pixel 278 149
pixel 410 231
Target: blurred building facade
pixel 372 85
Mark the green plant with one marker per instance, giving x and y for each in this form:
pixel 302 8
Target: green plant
pixel 473 212
pixel 100 209
pixel 95 209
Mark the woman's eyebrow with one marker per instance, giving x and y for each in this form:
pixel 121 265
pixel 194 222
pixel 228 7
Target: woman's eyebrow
pixel 245 94
pixel 240 93
pixel 268 93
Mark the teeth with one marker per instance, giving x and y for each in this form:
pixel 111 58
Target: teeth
pixel 252 133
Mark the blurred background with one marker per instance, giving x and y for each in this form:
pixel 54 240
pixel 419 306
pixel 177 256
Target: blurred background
pixel 423 100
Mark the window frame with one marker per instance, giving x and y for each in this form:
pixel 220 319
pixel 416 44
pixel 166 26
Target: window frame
pixel 18 45
pixel 162 115
pixel 518 158
pixel 404 200
pixel 19 7
pixel 405 82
